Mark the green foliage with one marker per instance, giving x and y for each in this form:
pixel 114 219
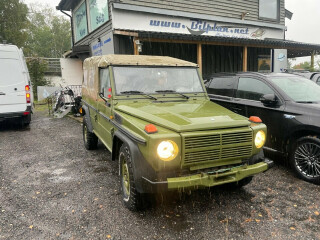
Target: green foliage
pixel 304 65
pixel 50 34
pixel 37 68
pixel 13 22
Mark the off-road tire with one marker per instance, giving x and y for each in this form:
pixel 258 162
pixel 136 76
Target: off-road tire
pixel 305 159
pixel 132 199
pixel 90 140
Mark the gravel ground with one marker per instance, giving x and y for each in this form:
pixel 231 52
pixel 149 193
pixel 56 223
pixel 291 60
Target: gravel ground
pixel 52 188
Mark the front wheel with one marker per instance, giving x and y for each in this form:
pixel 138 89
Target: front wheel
pixel 132 199
pixel 90 140
pixel 305 159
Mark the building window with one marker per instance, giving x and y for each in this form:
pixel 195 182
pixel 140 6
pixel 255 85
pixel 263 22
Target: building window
pixel 99 13
pixel 80 22
pixel 269 9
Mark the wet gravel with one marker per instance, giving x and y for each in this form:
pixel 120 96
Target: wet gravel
pixel 52 188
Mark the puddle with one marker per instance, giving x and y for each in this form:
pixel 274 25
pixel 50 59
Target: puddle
pixel 101 170
pixel 60 179
pixel 59 171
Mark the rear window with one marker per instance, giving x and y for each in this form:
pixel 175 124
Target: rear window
pixel 11 72
pixel 222 86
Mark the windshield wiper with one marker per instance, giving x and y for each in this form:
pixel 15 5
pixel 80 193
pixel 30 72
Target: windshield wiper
pixel 307 102
pixel 172 91
pixel 139 93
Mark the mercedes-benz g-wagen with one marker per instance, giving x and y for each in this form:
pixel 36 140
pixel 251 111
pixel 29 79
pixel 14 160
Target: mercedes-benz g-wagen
pixel 154 115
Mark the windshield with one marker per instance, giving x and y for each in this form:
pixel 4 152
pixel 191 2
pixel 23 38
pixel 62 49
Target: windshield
pixel 156 79
pixel 298 89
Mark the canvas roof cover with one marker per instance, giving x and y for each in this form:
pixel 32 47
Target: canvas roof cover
pixel 136 60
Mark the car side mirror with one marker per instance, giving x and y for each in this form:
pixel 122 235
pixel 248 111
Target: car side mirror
pixel 269 99
pixel 102 96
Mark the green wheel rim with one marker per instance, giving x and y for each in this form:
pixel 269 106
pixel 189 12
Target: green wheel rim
pixel 125 176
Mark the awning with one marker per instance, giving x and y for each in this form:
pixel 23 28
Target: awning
pixel 295 49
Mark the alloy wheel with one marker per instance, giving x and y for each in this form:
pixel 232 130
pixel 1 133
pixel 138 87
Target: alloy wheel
pixel 307 159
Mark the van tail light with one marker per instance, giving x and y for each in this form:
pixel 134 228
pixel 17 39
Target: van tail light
pixel 28 96
pixel 109 93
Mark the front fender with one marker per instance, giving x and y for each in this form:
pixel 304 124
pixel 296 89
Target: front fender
pixel 141 168
pixel 87 117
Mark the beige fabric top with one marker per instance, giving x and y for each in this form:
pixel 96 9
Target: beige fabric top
pixel 136 60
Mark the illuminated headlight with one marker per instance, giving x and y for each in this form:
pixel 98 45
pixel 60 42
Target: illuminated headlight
pixel 167 150
pixel 260 139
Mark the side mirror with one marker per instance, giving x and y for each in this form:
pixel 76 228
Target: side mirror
pixel 102 96
pixel 269 99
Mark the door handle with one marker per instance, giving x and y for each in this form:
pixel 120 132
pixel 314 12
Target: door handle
pixel 2 93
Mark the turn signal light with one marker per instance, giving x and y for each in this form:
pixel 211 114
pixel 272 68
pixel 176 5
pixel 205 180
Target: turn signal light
pixel 27 88
pixel 110 91
pixel 150 128
pixel 255 119
pixel 28 97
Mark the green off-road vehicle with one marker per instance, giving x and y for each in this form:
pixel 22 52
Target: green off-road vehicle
pixel 153 114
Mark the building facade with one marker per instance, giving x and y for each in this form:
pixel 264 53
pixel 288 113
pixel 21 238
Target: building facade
pixel 219 35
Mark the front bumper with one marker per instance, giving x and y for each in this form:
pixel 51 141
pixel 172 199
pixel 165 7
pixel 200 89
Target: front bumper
pixel 209 179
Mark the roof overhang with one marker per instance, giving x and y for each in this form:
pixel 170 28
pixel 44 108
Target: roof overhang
pixel 295 49
pixel 67 5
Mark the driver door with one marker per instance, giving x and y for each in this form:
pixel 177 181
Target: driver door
pixel 247 103
pixel 105 128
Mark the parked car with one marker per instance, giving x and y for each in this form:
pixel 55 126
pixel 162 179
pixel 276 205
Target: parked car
pixel 16 98
pixel 314 76
pixel 288 104
pixel 154 115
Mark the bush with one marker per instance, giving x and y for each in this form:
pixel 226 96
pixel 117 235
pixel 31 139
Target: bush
pixel 37 68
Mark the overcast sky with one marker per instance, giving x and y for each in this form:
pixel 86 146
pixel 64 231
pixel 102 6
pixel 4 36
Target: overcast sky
pixel 303 27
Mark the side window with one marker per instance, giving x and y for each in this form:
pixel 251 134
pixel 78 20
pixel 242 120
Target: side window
pixel 104 81
pixel 253 89
pixel 222 86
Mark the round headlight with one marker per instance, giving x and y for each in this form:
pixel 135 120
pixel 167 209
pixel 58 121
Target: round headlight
pixel 260 139
pixel 167 150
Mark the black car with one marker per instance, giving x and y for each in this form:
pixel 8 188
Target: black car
pixel 288 104
pixel 313 76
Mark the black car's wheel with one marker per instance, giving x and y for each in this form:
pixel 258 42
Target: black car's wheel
pixel 305 159
pixel 89 138
pixel 132 199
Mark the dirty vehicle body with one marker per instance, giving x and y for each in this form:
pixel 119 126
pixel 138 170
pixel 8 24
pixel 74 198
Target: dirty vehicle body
pixel 153 114
pixel 16 98
pixel 288 104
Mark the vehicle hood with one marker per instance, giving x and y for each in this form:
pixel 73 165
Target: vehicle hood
pixel 192 115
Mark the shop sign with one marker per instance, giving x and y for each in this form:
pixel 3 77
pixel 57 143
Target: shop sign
pixel 103 46
pixel 127 20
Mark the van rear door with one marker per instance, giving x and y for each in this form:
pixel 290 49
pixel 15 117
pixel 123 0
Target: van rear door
pixel 12 83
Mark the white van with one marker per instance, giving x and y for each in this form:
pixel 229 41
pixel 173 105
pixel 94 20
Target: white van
pixel 16 98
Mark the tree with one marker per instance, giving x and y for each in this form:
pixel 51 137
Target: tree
pixel 304 65
pixel 13 22
pixel 37 68
pixel 49 34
